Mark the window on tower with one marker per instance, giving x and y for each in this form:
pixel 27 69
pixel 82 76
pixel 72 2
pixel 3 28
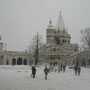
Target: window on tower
pixel 57 41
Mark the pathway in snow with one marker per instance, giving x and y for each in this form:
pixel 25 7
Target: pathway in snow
pixel 19 78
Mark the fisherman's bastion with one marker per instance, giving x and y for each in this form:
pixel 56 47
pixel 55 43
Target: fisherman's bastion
pixel 58 49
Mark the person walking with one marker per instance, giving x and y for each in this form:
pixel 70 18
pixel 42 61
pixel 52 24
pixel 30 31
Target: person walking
pixel 79 70
pixel 64 68
pixel 59 68
pixel 46 72
pixel 76 68
pixel 33 71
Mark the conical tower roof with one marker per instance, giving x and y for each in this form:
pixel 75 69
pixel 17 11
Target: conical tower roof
pixel 60 23
pixel 50 26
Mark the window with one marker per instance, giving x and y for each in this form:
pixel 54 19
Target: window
pixel 68 41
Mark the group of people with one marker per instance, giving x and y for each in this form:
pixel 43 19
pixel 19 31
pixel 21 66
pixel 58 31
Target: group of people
pixel 63 67
pixel 77 70
pixel 48 70
pixel 60 68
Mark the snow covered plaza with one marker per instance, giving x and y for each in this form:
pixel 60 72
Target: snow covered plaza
pixel 19 78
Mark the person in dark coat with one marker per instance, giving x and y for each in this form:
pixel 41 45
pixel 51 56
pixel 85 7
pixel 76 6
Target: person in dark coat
pixel 46 72
pixel 79 70
pixel 76 68
pixel 33 71
pixel 64 68
pixel 59 68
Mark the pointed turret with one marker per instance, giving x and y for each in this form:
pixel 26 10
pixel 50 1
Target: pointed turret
pixel 50 32
pixel 50 26
pixel 60 23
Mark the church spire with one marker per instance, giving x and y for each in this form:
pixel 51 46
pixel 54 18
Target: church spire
pixel 60 23
pixel 60 11
pixel 50 26
pixel 50 22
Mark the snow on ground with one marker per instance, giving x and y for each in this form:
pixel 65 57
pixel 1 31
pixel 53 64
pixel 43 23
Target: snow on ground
pixel 19 78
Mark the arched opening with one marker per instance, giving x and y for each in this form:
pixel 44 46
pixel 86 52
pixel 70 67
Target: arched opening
pixel 77 63
pixel 19 61
pixel 73 62
pixel 7 62
pixel 68 41
pixel 25 62
pixel 83 63
pixel 13 61
pixel 63 41
pixel 89 62
pixel 57 40
pixel 54 49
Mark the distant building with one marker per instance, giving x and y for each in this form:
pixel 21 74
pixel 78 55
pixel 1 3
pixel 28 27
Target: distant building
pixel 13 57
pixel 80 59
pixel 57 50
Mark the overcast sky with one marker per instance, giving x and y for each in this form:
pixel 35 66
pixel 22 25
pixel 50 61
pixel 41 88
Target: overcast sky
pixel 20 20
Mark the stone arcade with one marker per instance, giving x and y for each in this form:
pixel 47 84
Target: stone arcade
pixel 13 57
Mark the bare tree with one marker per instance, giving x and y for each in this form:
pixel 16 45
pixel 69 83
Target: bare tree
pixel 85 37
pixel 35 47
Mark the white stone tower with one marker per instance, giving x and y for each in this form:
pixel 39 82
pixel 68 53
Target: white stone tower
pixel 1 44
pixel 59 34
pixel 50 33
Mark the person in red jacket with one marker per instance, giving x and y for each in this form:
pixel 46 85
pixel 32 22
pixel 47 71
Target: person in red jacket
pixel 64 68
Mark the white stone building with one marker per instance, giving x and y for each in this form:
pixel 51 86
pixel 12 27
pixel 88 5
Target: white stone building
pixel 80 58
pixel 58 49
pixel 13 57
pixel 58 44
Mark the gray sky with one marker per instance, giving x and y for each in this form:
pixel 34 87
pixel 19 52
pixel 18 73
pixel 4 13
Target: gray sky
pixel 20 20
